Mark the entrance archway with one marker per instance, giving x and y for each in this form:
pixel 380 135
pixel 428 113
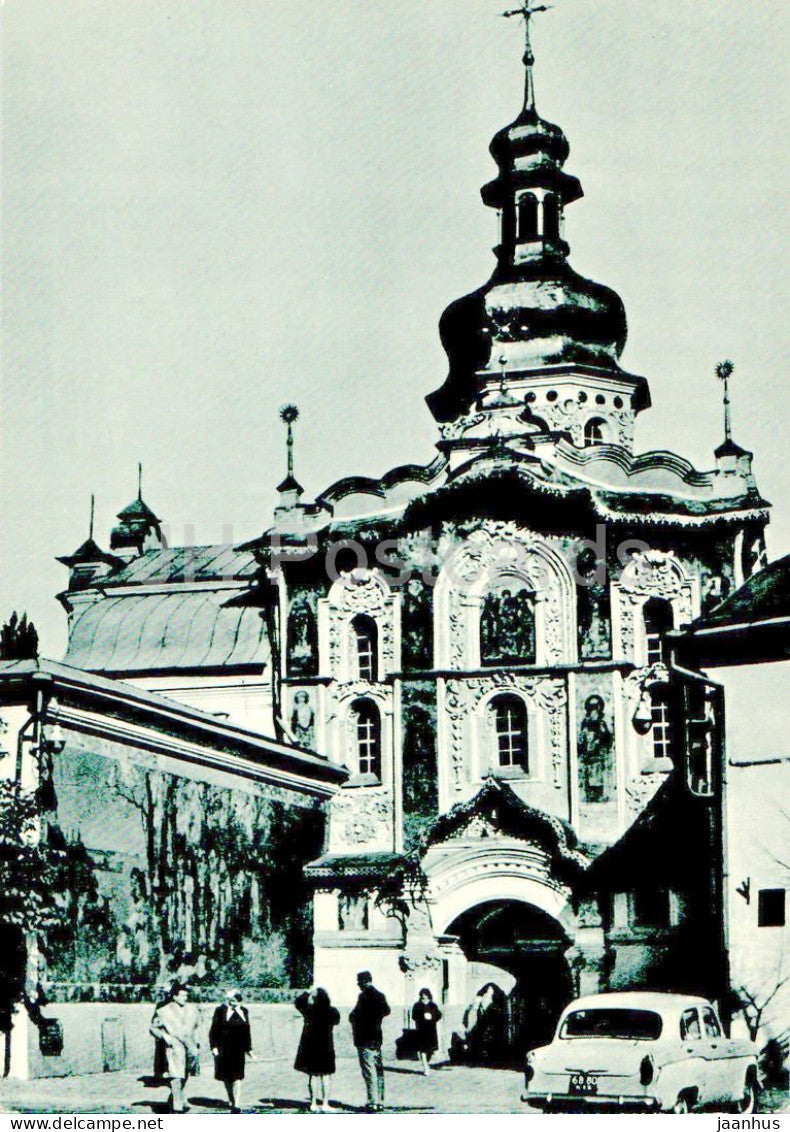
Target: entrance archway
pixel 528 944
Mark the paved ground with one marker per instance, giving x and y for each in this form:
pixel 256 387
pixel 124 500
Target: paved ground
pixel 275 1087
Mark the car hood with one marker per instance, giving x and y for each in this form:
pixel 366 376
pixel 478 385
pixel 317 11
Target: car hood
pixel 614 1057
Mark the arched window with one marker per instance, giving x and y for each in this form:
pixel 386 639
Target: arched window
pixel 367 728
pixel 661 723
pixel 509 717
pixel 659 619
pixel 366 638
pixel 595 431
pixel 551 217
pixel 527 218
pixel 507 625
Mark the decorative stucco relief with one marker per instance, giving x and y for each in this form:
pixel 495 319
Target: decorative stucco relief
pixel 651 574
pixel 358 591
pixel 362 817
pixel 462 698
pixel 640 790
pixel 490 552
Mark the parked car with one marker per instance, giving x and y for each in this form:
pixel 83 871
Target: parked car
pixel 642 1051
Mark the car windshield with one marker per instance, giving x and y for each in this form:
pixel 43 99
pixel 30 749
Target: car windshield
pixel 608 1022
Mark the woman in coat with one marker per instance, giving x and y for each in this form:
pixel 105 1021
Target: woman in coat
pixel 175 1023
pixel 425 1015
pixel 316 1053
pixel 231 1040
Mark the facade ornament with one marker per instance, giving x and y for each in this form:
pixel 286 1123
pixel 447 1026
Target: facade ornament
pixel 639 791
pixel 501 551
pixel 653 573
pixel 362 818
pixel 547 694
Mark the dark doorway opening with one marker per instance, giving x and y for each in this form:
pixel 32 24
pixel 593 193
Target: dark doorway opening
pixel 529 945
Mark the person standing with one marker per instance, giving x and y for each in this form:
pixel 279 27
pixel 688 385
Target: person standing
pixel 425 1015
pixel 175 1023
pixel 230 1039
pixel 366 1018
pixel 316 1053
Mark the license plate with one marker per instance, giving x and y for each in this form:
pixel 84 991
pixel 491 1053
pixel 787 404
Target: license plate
pixel 583 1085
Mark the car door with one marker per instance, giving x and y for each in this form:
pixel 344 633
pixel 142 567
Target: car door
pixel 718 1052
pixel 696 1072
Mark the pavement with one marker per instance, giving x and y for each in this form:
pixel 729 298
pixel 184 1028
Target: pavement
pixel 273 1086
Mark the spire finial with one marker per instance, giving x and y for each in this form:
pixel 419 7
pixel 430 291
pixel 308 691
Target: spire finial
pixel 289 414
pixel 140 481
pixel 724 371
pixel 93 508
pixel 526 12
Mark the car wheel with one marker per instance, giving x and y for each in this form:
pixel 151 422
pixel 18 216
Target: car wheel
pixel 681 1105
pixel 749 1100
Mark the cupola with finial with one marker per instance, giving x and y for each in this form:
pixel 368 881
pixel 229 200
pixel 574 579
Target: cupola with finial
pixel 89 562
pixel 731 459
pixel 138 529
pixel 560 335
pixel 290 490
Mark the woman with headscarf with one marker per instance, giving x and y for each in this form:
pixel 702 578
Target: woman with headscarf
pixel 231 1040
pixel 425 1014
pixel 175 1023
pixel 316 1053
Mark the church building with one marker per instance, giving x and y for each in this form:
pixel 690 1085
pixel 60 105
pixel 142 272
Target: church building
pixel 478 640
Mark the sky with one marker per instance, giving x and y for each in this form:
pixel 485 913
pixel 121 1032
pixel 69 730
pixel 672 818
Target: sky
pixel 212 208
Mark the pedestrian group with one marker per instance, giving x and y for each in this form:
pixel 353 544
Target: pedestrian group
pixel 176 1022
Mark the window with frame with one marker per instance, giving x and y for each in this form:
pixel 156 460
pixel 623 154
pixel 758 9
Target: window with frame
pixel 509 718
pixel 710 1023
pixel 367 726
pixel 690 1029
pixel 659 619
pixel 366 639
pixel 661 723
pixel 771 908
pixel 595 431
pixel 551 217
pixel 527 218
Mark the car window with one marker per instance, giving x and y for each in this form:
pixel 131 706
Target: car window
pixel 711 1023
pixel 609 1022
pixel 689 1026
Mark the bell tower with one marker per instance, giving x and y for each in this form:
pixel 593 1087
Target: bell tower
pixel 538 331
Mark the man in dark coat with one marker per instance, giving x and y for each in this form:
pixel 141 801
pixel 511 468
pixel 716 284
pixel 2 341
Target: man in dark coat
pixel 366 1018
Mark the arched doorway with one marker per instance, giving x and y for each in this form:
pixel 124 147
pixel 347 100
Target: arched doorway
pixel 529 945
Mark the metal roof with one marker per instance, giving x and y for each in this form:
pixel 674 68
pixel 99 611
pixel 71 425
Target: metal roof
pixel 161 613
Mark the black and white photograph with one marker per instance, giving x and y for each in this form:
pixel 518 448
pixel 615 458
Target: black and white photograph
pixel 395 588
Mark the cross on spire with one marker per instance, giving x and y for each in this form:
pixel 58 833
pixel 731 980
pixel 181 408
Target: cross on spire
pixel 93 508
pixel 139 481
pixel 526 12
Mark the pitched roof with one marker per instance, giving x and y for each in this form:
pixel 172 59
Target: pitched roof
pixel 117 699
pixel 765 596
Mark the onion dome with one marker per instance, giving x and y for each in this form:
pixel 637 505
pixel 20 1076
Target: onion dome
pixel 535 311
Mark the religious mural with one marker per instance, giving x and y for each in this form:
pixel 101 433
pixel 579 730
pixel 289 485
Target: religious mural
pixel 162 875
pixel 420 770
pixel 595 742
pixel 302 637
pixel 507 625
pixel 417 624
pixel 303 720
